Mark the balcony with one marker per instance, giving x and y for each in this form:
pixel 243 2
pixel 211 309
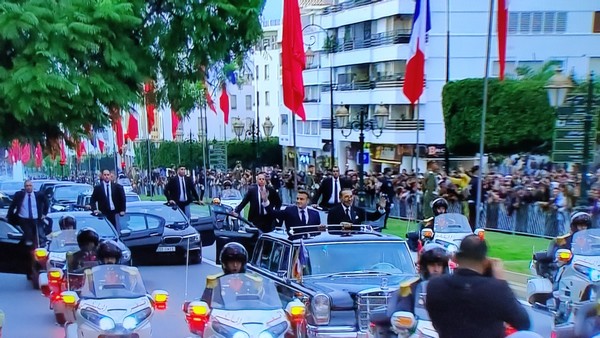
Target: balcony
pixel 347 5
pixel 390 81
pixel 392 125
pixel 398 36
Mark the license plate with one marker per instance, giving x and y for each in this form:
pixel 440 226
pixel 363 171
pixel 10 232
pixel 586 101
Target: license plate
pixel 165 249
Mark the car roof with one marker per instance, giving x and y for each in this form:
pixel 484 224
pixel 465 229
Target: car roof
pixel 146 203
pixel 76 214
pixel 332 235
pixel 62 184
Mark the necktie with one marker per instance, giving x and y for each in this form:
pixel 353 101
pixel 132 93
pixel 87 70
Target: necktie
pixel 30 207
pixel 348 214
pixel 303 216
pixel 260 201
pixel 108 192
pixel 335 190
pixel 183 189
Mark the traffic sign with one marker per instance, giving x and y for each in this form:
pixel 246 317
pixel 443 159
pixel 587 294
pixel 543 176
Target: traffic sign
pixel 217 156
pixel 366 158
pixel 569 132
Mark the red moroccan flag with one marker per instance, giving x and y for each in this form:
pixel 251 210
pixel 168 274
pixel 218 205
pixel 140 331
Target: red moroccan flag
pixel 63 153
pixel 38 155
pixel 502 32
pixel 150 104
pixel 26 153
pixel 293 58
pixel 174 123
pixel 224 103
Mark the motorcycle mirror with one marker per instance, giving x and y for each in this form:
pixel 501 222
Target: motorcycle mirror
pixel 563 255
pixel 403 320
pixel 427 233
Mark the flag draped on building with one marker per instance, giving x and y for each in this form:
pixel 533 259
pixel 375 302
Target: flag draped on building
pixel 132 124
pixel 174 123
pixel 502 33
pixel 301 260
pixel 293 58
pixel 415 68
pixel 224 102
pixel 150 104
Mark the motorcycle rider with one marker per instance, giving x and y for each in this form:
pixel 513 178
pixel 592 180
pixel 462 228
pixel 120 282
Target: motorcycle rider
pixel 233 260
pixel 439 206
pixel 87 239
pixel 109 253
pixel 579 221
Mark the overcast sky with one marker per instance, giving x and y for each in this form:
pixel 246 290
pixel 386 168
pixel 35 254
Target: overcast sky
pixel 273 9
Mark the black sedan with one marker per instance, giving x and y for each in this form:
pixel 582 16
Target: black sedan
pixel 13 255
pixel 156 229
pixel 10 188
pixel 63 197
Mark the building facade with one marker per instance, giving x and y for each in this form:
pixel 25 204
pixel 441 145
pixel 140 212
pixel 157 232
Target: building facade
pixel 363 47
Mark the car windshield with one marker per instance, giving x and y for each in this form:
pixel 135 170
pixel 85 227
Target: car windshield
pixel 11 185
pixel 168 213
pixel 64 241
pixel 199 210
pixel 124 181
pixel 451 223
pixel 113 281
pixel 332 258
pixel 231 194
pixel 586 242
pixel 38 184
pixel 132 198
pixel 100 224
pixel 245 292
pixel 69 193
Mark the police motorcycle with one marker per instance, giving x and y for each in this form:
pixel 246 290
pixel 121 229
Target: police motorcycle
pixel 113 302
pixel 565 282
pixel 586 322
pixel 239 304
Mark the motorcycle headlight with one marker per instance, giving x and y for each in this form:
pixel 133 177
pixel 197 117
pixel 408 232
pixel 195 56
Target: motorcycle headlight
pixel 132 321
pixel 591 273
pixel 126 255
pixel 103 322
pixel 228 331
pixel 274 331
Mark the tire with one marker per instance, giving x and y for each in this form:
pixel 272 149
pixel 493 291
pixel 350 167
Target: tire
pixel 35 281
pixel 196 257
pixel 60 318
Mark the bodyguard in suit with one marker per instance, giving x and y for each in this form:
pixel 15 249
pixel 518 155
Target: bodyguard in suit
pixel 330 188
pixel 27 210
pixel 180 191
pixel 260 197
pixel 347 212
pixel 299 214
pixel 108 198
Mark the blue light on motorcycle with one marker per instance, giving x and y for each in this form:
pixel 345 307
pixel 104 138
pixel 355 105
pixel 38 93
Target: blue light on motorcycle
pixel 228 331
pixel 129 323
pixel 132 321
pixel 594 275
pixel 591 273
pixel 274 331
pixel 240 334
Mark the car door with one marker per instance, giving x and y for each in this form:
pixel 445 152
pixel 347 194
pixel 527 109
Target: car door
pixel 232 232
pixel 272 259
pixel 13 255
pixel 141 231
pixel 203 221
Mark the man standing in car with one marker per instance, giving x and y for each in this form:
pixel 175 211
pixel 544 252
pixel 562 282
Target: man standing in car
pixel 27 210
pixel 108 198
pixel 259 197
pixel 180 191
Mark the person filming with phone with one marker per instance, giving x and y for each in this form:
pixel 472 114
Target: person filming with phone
pixel 476 300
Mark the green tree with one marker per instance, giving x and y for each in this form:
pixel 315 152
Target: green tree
pixel 519 117
pixel 64 64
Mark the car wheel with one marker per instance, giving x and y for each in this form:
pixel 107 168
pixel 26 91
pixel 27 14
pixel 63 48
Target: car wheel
pixel 60 318
pixel 196 257
pixel 35 281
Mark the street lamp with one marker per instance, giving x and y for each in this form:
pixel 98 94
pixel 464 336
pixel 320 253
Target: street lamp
pixel 310 58
pixel 558 86
pixel 252 132
pixel 362 124
pixel 268 127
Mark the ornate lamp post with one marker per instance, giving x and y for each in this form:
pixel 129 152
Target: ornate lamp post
pixel 362 124
pixel 252 133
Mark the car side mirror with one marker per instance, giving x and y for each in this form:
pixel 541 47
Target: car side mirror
pixel 15 235
pixel 125 233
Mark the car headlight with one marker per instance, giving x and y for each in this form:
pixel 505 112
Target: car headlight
pixel 126 255
pixel 452 248
pixel 591 273
pixel 321 306
pixel 103 322
pixel 274 331
pixel 132 321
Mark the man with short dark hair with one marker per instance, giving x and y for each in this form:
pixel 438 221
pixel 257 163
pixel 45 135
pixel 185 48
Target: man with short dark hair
pixel 347 212
pixel 108 198
pixel 476 300
pixel 180 191
pixel 260 197
pixel 298 215
pixel 329 190
pixel 27 210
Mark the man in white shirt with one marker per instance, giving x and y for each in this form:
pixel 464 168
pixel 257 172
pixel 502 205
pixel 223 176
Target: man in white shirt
pixel 108 198
pixel 330 188
pixel 180 191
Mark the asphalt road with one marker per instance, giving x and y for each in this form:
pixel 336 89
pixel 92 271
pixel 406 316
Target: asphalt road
pixel 28 315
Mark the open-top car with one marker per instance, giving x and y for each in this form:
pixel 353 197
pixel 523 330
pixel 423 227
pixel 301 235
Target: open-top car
pixel 343 272
pixel 64 196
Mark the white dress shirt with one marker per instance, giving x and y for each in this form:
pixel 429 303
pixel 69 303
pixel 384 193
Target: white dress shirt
pixel 24 209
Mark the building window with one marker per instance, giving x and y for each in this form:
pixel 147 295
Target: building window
pixel 595 65
pixel 266 72
pixel 285 127
pixel 267 100
pixel 312 94
pixel 233 102
pixel 537 22
pixel 399 112
pixel 248 102
pixel 596 22
pixel 257 72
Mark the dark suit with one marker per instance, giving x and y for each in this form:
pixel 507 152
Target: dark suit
pixel 358 215
pixel 99 200
pixel 291 217
pixel 263 221
pixel 327 188
pixel 173 192
pixel 27 225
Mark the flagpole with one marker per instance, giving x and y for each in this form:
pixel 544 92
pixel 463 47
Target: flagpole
pixel 205 151
pixel 446 152
pixel 416 108
pixel 483 113
pixel 295 153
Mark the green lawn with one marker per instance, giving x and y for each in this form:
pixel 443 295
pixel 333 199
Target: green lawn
pixel 154 198
pixel 514 250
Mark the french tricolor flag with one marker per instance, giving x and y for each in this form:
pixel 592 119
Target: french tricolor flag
pixel 415 68
pixel 101 142
pixel 132 124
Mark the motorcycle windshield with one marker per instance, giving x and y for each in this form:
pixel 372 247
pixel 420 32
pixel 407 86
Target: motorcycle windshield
pixel 231 194
pixel 586 243
pixel 451 223
pixel 113 281
pixel 245 292
pixel 64 241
